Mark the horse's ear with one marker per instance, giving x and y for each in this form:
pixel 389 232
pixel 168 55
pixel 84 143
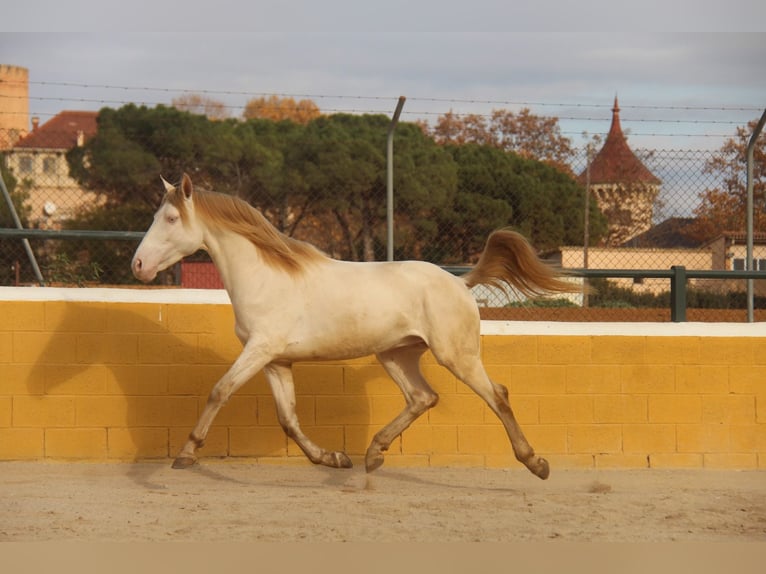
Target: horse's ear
pixel 186 186
pixel 168 186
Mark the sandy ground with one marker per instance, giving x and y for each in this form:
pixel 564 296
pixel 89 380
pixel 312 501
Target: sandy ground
pixel 234 502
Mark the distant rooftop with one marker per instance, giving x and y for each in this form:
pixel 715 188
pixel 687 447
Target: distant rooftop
pixel 671 233
pixel 616 162
pixel 63 131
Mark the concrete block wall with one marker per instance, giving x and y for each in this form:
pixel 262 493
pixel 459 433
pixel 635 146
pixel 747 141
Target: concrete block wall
pixel 110 379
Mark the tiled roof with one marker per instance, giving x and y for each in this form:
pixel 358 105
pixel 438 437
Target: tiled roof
pixel 61 131
pixel 616 162
pixel 673 232
pixel 741 236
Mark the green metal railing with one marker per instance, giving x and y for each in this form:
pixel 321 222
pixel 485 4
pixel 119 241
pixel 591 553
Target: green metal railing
pixel 678 275
pixel 70 234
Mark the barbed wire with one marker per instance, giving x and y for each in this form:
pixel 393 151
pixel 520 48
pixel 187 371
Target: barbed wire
pixel 380 111
pixel 427 115
pixel 656 107
pixel 716 108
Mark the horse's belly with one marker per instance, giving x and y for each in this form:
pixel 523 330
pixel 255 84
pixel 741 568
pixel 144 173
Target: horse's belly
pixel 344 348
pixel 351 338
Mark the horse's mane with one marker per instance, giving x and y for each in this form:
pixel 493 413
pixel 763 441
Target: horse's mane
pixel 231 213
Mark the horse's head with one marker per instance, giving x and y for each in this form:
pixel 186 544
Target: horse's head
pixel 174 234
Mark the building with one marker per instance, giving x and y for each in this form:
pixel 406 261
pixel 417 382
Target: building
pixel 666 245
pixel 646 258
pixel 622 185
pixel 14 105
pixel 38 161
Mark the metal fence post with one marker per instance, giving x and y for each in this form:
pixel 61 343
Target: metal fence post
pixel 390 181
pixel 750 153
pixel 678 294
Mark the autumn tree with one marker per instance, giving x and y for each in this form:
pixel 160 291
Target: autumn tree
pixel 201 105
pixel 277 109
pixel 524 133
pixel 724 207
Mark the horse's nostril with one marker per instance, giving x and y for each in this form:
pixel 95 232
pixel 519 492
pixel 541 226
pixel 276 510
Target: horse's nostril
pixel 137 265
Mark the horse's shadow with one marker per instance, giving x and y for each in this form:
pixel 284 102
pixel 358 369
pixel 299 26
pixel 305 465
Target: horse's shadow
pixel 122 373
pixel 140 386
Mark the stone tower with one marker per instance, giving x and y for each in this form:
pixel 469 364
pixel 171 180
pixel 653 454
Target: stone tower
pixel 14 104
pixel 623 186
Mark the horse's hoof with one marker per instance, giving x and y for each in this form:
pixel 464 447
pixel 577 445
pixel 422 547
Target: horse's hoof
pixel 183 462
pixel 341 460
pixel 373 462
pixel 542 469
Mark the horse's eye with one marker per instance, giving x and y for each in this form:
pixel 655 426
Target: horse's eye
pixel 172 219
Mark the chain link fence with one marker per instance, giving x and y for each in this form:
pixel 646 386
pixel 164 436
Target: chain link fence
pixel 448 199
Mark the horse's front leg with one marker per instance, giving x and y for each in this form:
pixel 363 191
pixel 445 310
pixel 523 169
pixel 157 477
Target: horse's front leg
pixel 250 361
pixel 280 378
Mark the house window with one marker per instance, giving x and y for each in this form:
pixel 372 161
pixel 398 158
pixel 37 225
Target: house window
pixel 25 164
pixel 49 165
pixel 738 264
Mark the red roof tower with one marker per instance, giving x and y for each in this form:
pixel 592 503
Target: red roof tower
pixel 623 186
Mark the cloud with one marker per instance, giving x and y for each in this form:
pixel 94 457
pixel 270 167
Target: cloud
pixel 340 16
pixel 569 75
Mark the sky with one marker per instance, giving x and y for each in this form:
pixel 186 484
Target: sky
pixel 685 84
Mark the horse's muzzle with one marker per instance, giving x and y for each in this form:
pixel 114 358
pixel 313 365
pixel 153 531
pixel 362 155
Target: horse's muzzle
pixel 140 272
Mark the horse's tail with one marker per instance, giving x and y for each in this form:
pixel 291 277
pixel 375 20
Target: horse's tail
pixel 509 259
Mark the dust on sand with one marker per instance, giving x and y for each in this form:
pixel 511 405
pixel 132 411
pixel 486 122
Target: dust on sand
pixel 228 501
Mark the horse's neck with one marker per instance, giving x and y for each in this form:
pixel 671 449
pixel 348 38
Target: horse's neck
pixel 239 263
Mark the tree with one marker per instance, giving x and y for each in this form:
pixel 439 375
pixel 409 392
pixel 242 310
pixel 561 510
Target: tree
pixel 135 145
pixel 277 109
pixel 18 196
pixel 11 250
pixel 524 133
pixel 201 105
pixel 269 172
pixel 724 207
pixel 498 189
pixel 343 159
pixel 326 181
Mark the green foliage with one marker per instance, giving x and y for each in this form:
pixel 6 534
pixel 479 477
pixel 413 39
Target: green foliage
pixel 10 248
pixel 326 180
pixel 540 201
pixel 609 295
pixel 704 299
pixel 19 196
pixel 111 258
pixel 60 269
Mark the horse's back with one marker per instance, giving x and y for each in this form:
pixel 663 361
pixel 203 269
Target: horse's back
pixel 413 283
pixel 418 296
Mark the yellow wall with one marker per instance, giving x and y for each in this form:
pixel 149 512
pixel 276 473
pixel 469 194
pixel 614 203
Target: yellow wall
pixel 125 381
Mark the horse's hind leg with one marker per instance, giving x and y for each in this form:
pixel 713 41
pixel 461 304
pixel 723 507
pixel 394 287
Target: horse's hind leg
pixel 469 369
pixel 403 366
pixel 280 378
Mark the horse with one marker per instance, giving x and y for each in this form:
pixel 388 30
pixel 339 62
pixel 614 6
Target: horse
pixel 292 303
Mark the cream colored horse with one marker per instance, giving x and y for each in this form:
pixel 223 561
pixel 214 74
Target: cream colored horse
pixel 293 303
